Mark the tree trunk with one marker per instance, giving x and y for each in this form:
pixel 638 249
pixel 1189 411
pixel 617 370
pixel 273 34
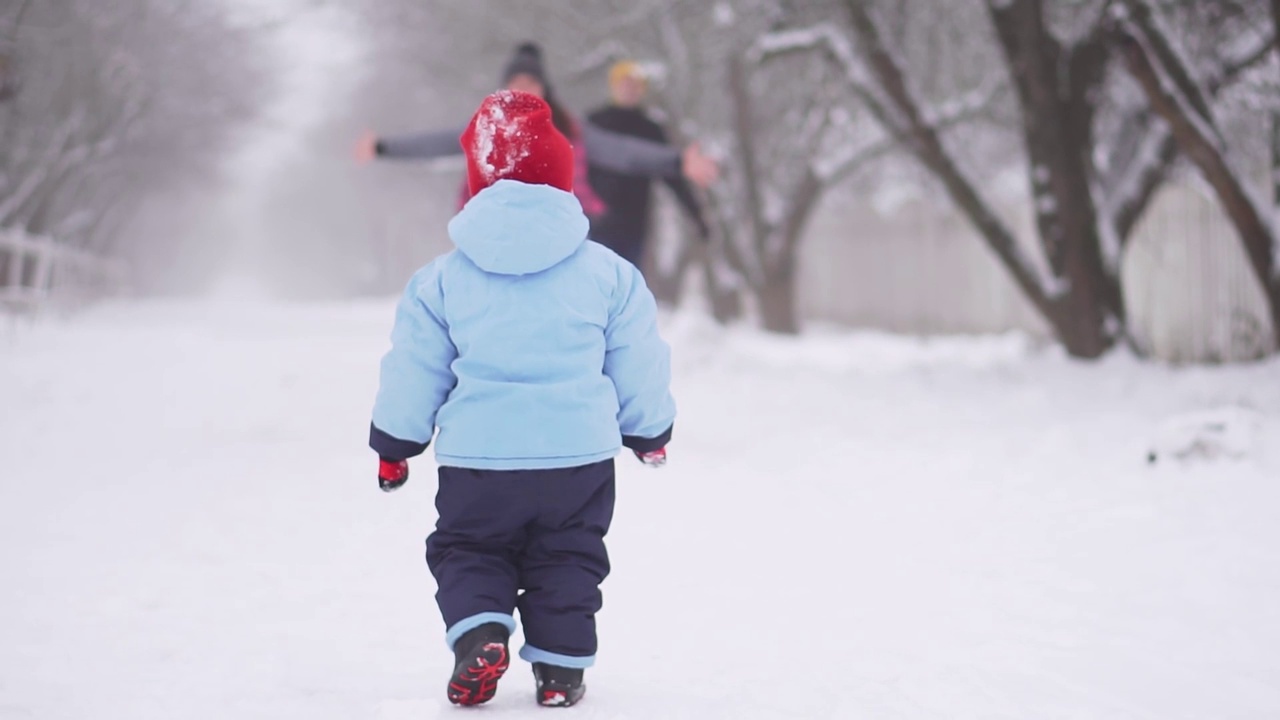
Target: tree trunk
pixel 725 299
pixel 1150 176
pixel 1275 26
pixel 924 142
pixel 779 311
pixel 1054 87
pixel 667 287
pixel 746 137
pixel 777 298
pixel 1275 180
pixel 1275 199
pixel 1079 307
pixel 1275 170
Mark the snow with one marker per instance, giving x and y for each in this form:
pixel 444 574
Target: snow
pixel 724 14
pixel 1218 432
pixel 783 41
pixel 947 113
pixel 1056 287
pixel 808 38
pixel 492 122
pixel 888 198
pixel 851 525
pixel 1108 235
pixel 1046 204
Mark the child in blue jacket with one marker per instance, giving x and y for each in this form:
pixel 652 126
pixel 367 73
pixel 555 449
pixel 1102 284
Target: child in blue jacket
pixel 536 354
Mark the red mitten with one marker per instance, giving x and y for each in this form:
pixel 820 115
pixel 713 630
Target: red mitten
pixel 392 474
pixel 653 458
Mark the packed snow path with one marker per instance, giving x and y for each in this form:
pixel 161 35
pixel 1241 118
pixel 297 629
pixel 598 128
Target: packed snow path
pixel 850 527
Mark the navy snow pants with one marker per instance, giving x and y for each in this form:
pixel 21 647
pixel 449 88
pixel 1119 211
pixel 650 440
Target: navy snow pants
pixel 531 540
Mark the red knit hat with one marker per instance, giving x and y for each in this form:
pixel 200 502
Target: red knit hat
pixel 512 137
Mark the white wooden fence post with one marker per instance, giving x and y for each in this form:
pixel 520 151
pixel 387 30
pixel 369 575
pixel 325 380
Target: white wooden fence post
pixel 41 278
pixel 16 262
pixel 57 272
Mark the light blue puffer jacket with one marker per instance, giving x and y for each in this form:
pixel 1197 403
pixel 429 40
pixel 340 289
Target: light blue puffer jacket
pixel 529 346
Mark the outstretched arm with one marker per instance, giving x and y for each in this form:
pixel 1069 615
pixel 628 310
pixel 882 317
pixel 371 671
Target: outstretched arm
pixel 418 146
pixel 630 155
pixel 683 191
pixel 690 204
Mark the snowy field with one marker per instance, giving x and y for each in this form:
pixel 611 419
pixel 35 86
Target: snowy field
pixel 852 526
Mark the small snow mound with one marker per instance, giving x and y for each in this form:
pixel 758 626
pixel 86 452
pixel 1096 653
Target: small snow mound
pixel 1221 433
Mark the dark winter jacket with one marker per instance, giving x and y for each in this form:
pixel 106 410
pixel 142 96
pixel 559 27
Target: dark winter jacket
pixel 627 196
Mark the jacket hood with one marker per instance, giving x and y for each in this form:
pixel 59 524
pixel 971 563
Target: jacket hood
pixel 512 228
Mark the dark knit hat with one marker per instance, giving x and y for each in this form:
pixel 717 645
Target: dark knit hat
pixel 526 61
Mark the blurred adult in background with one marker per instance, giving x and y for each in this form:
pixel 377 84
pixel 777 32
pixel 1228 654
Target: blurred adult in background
pixel 624 225
pixel 620 154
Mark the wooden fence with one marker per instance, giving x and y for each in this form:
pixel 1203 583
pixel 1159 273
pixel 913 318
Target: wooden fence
pixel 36 272
pixel 921 269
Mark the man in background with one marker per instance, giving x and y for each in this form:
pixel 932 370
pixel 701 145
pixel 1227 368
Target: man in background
pixel 624 227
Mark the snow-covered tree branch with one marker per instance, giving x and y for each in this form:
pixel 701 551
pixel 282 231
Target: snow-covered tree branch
pixel 903 116
pixel 1169 83
pixel 129 95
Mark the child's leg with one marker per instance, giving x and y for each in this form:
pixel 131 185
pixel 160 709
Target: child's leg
pixel 563 565
pixel 473 553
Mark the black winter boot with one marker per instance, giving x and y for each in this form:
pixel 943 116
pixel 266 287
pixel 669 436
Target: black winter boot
pixel 481 658
pixel 558 686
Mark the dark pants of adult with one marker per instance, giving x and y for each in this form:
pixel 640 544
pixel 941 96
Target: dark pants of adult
pixel 626 241
pixel 526 539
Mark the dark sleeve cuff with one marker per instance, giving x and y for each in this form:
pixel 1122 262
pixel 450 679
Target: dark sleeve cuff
pixel 379 148
pixel 644 445
pixel 393 448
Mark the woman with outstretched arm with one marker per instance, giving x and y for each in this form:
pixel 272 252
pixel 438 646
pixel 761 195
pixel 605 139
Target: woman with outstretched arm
pixel 612 151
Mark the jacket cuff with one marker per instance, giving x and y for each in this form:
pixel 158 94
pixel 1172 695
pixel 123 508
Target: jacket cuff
pixel 644 445
pixel 393 448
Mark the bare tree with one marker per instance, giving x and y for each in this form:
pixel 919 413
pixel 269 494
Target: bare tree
pixel 131 95
pixel 822 139
pixel 799 95
pixel 10 21
pixel 1173 86
pixel 1085 209
pixel 690 48
pixel 1275 129
pixel 743 74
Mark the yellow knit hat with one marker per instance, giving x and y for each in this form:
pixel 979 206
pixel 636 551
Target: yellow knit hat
pixel 624 69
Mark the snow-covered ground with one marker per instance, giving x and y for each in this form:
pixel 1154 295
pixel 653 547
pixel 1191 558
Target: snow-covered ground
pixel 852 526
